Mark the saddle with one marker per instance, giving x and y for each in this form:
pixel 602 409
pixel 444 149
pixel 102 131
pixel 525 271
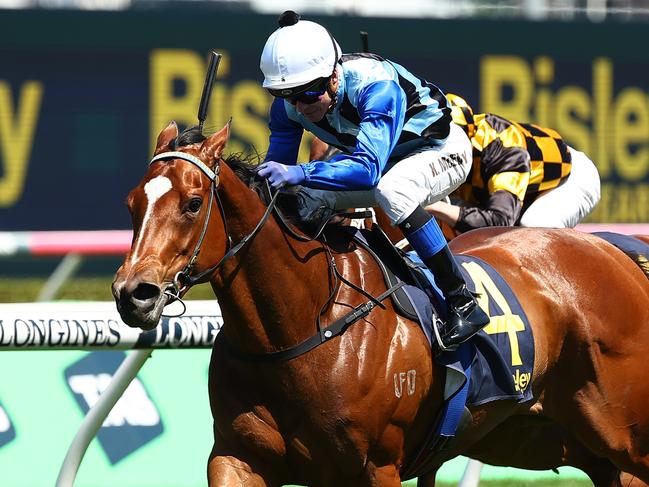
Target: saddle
pixel 413 299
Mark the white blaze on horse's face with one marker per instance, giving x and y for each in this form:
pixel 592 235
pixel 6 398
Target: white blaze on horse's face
pixel 154 190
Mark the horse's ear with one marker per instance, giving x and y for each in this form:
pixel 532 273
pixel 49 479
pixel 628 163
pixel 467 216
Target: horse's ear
pixel 213 146
pixel 169 133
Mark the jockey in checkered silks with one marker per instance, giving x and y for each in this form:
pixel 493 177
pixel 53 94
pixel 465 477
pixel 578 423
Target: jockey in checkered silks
pixel 522 175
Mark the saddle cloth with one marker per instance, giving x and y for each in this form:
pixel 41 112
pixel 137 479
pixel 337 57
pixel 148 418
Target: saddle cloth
pixel 501 354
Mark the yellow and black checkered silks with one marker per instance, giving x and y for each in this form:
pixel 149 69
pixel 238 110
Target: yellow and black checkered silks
pixel 521 158
pixel 461 113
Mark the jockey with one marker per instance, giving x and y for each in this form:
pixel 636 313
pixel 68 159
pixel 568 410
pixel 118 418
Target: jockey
pixel 399 149
pixel 522 175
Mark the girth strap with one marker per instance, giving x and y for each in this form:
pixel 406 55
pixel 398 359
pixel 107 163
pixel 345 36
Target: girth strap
pixel 335 329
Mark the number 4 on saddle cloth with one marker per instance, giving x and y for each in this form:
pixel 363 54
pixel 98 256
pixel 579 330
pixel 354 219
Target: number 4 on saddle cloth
pixel 496 363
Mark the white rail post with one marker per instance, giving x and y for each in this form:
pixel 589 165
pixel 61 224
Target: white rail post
pixel 471 476
pixel 97 415
pixel 66 268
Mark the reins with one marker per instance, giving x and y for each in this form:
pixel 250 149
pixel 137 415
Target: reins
pixel 183 279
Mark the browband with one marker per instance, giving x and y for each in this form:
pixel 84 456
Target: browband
pixel 187 157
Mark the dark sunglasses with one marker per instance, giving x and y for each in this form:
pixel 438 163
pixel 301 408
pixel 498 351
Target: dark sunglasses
pixel 307 94
pixel 308 97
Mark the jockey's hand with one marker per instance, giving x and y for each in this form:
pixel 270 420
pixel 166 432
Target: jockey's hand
pixel 279 175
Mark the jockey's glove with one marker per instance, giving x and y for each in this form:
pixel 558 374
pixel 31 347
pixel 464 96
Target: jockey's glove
pixel 280 175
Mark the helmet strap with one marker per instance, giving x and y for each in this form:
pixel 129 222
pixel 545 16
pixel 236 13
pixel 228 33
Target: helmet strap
pixel 332 92
pixel 334 98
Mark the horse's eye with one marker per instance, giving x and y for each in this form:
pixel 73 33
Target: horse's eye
pixel 194 205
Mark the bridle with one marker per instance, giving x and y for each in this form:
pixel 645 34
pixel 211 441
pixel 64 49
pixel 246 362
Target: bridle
pixel 183 279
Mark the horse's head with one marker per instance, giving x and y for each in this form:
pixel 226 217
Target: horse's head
pixel 170 209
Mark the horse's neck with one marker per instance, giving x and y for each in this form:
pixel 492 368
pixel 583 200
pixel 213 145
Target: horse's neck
pixel 271 291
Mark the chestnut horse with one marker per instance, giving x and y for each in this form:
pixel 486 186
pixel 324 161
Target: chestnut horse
pixel 330 416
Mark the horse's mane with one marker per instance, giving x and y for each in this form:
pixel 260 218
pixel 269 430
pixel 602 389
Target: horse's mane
pixel 244 165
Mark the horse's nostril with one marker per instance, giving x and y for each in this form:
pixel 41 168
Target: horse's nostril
pixel 146 292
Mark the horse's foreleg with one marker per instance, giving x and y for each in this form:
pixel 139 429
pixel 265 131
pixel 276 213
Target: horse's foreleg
pixel 227 471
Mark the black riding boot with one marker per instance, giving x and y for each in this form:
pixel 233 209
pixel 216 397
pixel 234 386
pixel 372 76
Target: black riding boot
pixel 465 318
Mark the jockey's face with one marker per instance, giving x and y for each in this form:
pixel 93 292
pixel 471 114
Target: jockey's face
pixel 317 110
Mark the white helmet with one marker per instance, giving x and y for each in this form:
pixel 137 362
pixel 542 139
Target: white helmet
pixel 298 53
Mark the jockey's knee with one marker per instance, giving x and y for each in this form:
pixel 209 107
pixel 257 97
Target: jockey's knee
pixel 396 204
pixel 315 204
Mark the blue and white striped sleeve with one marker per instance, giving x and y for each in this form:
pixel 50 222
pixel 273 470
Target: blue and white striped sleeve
pixel 382 107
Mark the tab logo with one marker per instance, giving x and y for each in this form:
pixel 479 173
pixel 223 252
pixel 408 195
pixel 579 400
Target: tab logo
pixel 7 431
pixel 134 420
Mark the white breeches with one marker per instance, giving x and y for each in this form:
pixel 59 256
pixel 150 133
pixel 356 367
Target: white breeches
pixel 421 178
pixel 568 204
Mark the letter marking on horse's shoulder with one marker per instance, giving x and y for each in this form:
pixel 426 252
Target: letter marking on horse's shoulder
pixel 407 378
